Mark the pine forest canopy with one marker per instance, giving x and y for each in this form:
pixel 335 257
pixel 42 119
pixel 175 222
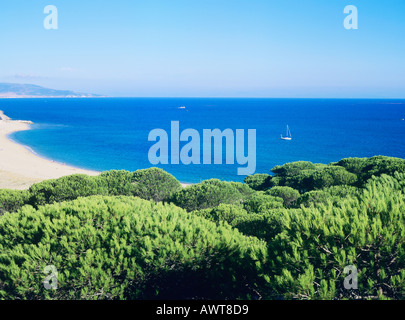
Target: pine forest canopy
pixel 286 234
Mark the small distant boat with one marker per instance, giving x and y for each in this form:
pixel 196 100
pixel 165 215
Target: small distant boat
pixel 288 134
pixel 182 107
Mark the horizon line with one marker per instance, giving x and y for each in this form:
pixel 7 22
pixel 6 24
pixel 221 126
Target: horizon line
pixel 204 97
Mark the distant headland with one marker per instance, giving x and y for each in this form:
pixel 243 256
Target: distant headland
pixel 17 90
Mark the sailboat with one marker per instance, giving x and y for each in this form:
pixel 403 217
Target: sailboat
pixel 288 134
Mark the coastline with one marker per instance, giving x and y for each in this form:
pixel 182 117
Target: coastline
pixel 21 167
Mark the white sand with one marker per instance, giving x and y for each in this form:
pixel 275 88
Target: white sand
pixel 19 167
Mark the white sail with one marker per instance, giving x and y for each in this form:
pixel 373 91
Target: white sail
pixel 288 134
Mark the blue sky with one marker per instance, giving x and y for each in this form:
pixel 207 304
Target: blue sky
pixel 207 48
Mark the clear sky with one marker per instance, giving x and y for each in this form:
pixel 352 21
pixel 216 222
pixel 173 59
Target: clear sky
pixel 207 48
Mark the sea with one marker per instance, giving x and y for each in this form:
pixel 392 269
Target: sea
pixel 112 133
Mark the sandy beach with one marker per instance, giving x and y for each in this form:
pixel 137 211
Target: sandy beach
pixel 19 167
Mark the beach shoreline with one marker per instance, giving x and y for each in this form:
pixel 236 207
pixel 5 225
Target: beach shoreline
pixel 21 167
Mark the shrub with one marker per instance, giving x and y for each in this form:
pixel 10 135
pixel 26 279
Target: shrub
pixel 237 243
pixel 365 168
pixel 154 184
pixel 306 176
pixel 260 202
pixel 294 168
pixel 124 248
pixel 223 213
pixel 316 244
pixel 313 198
pixel 12 200
pixel 395 182
pixel 149 184
pixel 118 182
pixel 263 226
pixel 211 193
pixel 65 188
pixel 331 176
pixel 258 181
pixel 288 194
pixel 335 195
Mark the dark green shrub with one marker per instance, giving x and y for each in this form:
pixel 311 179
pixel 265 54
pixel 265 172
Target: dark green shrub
pixel 211 193
pixel 288 194
pixel 118 182
pixel 260 202
pixel 12 200
pixel 365 168
pixel 316 244
pixel 154 184
pixel 335 195
pixel 66 188
pixel 223 213
pixel 306 176
pixel 395 182
pixel 343 191
pixel 125 248
pixel 237 243
pixel 258 181
pixel 313 198
pixel 149 184
pixel 331 176
pixel 353 165
pixel 294 168
pixel 263 226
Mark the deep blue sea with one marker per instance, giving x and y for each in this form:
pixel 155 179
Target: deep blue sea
pixel 112 133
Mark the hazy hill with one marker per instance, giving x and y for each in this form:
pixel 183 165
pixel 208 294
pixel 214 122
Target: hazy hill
pixel 16 90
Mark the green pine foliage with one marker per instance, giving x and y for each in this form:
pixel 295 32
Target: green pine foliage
pixel 365 168
pixel 154 184
pixel 12 200
pixel 394 182
pixel 264 225
pixel 315 245
pixel 211 193
pixel 223 213
pixel 149 184
pixel 295 168
pixel 140 235
pixel 259 181
pixel 306 176
pixel 288 194
pixel 66 188
pixel 125 248
pixel 260 202
pixel 118 182
pixel 335 195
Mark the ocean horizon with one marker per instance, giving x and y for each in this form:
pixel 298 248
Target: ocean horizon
pixel 112 133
